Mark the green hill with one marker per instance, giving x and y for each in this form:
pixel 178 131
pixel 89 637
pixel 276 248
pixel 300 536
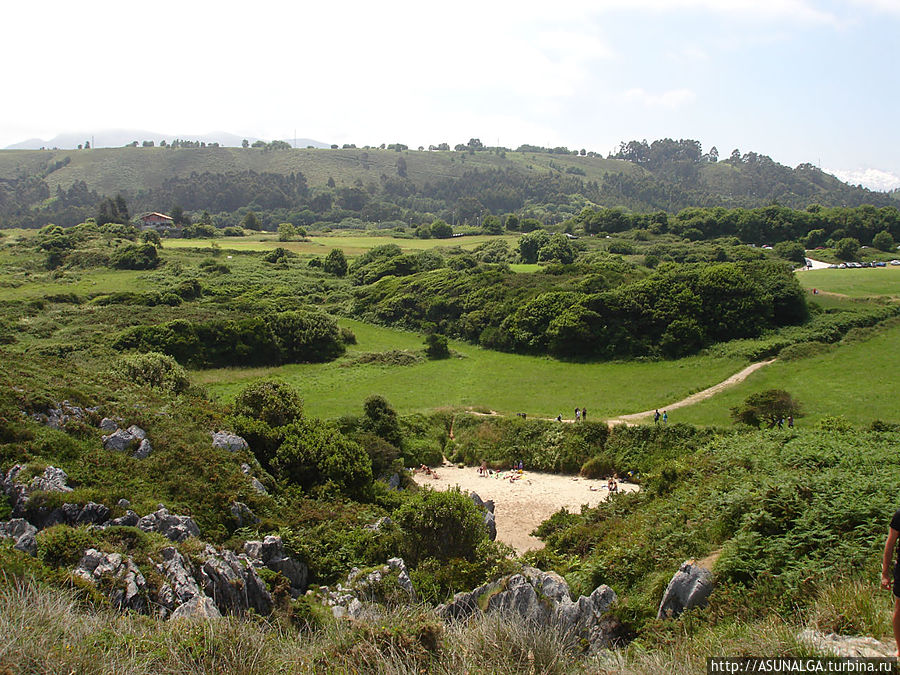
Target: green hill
pixel 378 185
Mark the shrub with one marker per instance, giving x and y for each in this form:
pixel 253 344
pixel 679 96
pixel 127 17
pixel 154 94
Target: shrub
pixel 273 402
pixel 335 263
pixel 135 257
pixel 599 466
pixel 441 525
pixel 153 369
pixel 63 546
pixel 381 419
pixel 436 346
pixel 768 406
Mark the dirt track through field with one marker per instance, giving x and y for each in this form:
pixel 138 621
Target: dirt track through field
pixel 693 398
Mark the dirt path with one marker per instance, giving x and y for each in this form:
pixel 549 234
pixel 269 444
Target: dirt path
pixel 694 398
pixel 632 418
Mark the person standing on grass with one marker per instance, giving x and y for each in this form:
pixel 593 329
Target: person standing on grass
pixel 665 416
pixel 889 580
pixel 656 416
pixel 584 414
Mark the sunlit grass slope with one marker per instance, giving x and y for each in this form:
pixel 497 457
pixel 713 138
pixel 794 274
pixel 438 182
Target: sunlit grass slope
pixel 507 383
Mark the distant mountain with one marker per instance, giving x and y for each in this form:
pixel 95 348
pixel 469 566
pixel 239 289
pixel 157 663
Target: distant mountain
pixel 117 138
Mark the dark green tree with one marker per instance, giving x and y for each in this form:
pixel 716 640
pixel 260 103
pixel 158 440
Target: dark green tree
pixel 335 263
pixel 381 419
pixel 436 346
pixel 441 230
pixel 847 248
pixel 766 407
pixel 251 222
pixel 441 525
pixel 883 241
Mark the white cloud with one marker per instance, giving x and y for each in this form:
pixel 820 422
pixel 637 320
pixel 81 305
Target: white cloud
pixel 874 179
pixel 672 99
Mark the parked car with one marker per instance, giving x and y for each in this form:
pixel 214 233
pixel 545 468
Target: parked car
pixel 895 262
pixel 880 263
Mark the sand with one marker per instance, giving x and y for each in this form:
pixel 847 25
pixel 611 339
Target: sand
pixel 520 506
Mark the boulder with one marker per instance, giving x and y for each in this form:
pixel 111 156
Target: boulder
pixel 200 607
pixel 689 588
pixel 180 586
pixel 130 519
pixel 233 583
pixel 174 527
pixel 242 514
pixel 847 646
pixel 108 424
pixel 487 511
pixel 52 480
pixel 119 578
pixel 125 440
pixel 143 450
pixel 270 553
pixel 22 532
pixel 92 514
pixel 254 482
pixel 544 599
pixel 224 440
pixel 59 415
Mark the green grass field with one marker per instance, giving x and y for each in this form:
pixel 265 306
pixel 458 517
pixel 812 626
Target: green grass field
pixel 857 380
pixel 856 283
pixel 352 243
pixel 480 378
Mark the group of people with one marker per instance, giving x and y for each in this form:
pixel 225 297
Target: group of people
pixel 664 417
pixel 428 471
pixel 790 422
pixel 580 415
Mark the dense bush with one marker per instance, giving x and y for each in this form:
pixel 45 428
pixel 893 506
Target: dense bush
pixel 273 402
pixel 541 445
pixel 271 339
pixel 154 370
pixel 135 257
pixel 441 525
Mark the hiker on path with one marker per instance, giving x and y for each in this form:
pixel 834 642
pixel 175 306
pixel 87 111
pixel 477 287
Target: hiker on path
pixel 656 416
pixel 889 579
pixel 665 417
pixel 577 415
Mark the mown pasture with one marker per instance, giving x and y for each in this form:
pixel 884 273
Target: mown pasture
pixel 478 378
pixel 855 283
pixel 352 243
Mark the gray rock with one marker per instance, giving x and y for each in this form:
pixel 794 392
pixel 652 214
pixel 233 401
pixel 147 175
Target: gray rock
pixel 120 441
pixel 130 519
pixel 487 511
pixel 544 599
pixel 270 553
pixel 123 504
pixel 233 584
pixel 108 424
pixel 258 487
pixel 92 514
pixel 180 586
pixel 689 588
pixel 224 440
pixel 200 607
pixel 242 514
pixel 127 589
pixel 847 646
pixel 171 526
pixel 137 432
pixel 143 450
pixel 394 481
pixel 58 416
pixel 52 480
pixel 22 532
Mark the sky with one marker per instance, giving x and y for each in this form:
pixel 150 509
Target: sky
pixel 798 80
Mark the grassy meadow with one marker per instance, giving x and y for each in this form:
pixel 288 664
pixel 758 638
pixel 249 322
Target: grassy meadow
pixel 855 283
pixel 352 243
pixel 856 379
pixel 479 378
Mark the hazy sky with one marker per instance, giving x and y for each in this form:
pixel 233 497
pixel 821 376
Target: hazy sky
pixel 798 80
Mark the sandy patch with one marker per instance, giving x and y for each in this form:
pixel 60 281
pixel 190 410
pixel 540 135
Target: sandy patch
pixel 523 504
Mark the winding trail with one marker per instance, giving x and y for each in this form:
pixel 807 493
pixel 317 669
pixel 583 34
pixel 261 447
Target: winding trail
pixel 694 398
pixel 633 418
